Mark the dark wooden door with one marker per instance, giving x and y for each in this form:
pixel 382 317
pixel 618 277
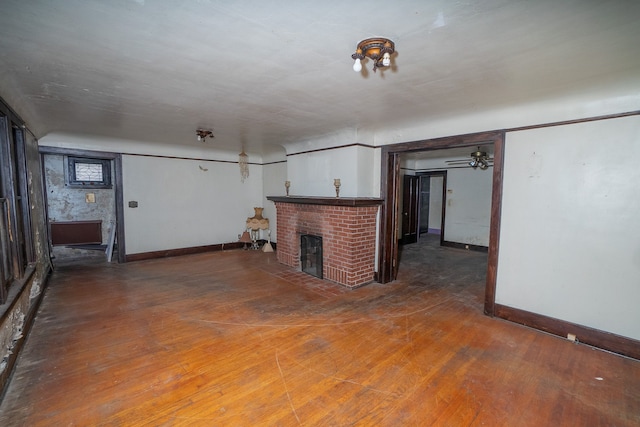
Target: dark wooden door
pixel 410 209
pixel 425 196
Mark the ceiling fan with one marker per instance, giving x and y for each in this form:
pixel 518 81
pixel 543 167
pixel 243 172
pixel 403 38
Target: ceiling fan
pixel 479 159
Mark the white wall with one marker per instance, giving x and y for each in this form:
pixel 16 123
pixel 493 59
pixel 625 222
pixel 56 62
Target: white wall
pixel 312 173
pixel 435 202
pixel 468 202
pixel 184 203
pixel 181 202
pixel 468 206
pixel 126 146
pixel 619 95
pixel 273 177
pixel 570 234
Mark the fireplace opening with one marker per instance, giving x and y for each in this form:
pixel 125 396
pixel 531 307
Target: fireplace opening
pixel 311 254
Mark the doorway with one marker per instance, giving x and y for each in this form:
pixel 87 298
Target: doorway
pixel 83 204
pixel 391 193
pixel 432 189
pixel 423 207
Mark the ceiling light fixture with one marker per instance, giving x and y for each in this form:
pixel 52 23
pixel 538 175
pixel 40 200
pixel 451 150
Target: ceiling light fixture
pixel 378 49
pixel 243 162
pixel 204 134
pixel 479 159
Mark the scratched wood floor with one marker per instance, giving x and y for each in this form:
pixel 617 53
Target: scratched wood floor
pixel 235 339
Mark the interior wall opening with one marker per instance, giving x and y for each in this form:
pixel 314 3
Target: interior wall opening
pixel 83 205
pixel 470 218
pixel 445 192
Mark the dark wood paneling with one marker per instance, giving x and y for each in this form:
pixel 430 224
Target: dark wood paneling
pixel 327 201
pixel 389 188
pixel 43 149
pixel 76 232
pixel 185 251
pixel 594 337
pixel 331 148
pixel 494 230
pixel 119 188
pixel 410 208
pixel 467 140
pixel 23 190
pixel 575 121
pixel 20 288
pixel 10 184
pixel 156 156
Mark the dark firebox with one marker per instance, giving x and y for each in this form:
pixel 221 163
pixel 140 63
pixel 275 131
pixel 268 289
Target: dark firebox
pixel 311 254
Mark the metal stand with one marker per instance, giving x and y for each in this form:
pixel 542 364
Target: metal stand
pixel 255 235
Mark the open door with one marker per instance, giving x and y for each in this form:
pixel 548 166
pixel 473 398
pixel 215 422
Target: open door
pixel 410 209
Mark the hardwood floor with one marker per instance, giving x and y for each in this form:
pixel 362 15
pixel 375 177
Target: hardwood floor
pixel 235 339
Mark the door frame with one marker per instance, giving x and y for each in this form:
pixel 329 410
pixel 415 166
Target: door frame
pixel 443 211
pixel 417 200
pixel 389 193
pixel 117 187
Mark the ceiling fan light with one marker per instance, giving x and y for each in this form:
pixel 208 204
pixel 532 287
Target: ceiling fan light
pixel 203 134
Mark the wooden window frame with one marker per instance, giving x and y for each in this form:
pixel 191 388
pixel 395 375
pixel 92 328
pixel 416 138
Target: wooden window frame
pixel 73 182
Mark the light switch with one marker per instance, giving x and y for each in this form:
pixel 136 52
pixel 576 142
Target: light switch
pixel 90 198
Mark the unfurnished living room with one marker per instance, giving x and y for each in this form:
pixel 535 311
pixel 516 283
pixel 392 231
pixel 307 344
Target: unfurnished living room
pixel 230 213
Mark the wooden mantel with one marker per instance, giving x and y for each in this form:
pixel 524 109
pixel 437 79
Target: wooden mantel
pixel 327 201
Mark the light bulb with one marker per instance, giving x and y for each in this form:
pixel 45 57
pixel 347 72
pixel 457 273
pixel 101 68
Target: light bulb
pixel 357 66
pixel 386 59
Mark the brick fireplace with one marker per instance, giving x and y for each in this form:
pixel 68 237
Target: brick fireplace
pixel 348 230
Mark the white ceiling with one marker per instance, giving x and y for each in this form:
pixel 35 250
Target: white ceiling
pixel 266 73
